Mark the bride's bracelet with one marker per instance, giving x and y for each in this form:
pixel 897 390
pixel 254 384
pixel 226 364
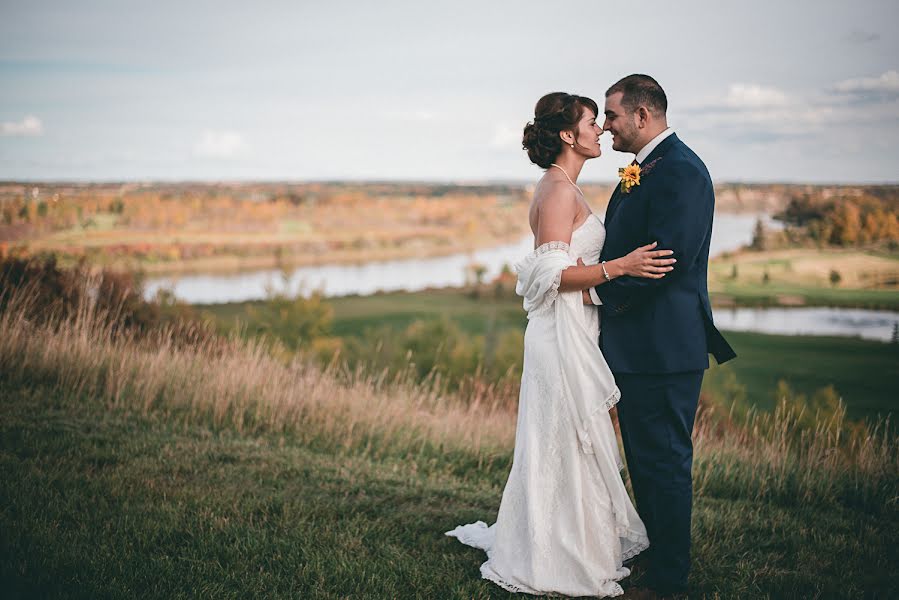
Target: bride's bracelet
pixel 604 272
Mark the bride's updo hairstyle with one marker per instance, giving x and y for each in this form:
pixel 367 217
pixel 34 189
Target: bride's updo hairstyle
pixel 554 113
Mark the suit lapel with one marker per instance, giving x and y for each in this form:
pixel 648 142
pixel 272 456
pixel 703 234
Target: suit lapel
pixel 613 203
pixel 661 149
pixel 618 195
pixel 619 198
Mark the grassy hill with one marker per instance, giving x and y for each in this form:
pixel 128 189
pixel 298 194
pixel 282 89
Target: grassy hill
pixel 115 504
pixel 153 466
pixel 864 373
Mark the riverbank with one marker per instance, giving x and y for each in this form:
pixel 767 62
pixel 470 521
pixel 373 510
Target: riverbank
pixel 192 227
pixel 352 253
pixel 730 233
pixel 207 227
pixel 161 254
pixel 806 277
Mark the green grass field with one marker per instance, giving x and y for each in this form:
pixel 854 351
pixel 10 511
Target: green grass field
pixel 114 504
pixel 159 467
pixel 801 276
pixel 785 294
pixel 865 373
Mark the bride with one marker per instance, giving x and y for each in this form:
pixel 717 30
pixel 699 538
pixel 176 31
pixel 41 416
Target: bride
pixel 565 523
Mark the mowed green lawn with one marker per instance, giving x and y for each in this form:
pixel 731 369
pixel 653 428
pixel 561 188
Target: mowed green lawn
pixel 864 373
pixel 782 294
pixel 802 276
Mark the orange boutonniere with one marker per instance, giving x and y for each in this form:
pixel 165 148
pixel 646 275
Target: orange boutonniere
pixel 630 176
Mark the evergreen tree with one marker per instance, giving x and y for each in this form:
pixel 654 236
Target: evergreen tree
pixel 758 235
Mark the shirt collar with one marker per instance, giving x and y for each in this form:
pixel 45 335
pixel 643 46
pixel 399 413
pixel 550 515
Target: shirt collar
pixel 648 148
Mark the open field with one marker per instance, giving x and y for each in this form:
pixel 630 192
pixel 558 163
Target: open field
pixel 226 227
pixel 214 227
pixel 864 373
pixel 146 467
pixel 802 276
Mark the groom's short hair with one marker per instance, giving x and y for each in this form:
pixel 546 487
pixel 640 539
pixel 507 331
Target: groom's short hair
pixel 640 90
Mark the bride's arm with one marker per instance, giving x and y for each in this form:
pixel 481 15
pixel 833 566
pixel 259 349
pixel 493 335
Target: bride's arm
pixel 645 261
pixel 556 223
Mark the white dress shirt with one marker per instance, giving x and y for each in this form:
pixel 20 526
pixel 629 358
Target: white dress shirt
pixel 641 156
pixel 648 148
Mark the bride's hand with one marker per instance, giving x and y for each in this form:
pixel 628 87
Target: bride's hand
pixel 647 262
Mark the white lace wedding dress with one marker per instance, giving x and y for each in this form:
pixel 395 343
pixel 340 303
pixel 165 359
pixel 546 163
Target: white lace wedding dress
pixel 565 522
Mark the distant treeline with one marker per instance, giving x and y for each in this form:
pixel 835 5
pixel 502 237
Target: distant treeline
pixel 249 206
pixel 869 216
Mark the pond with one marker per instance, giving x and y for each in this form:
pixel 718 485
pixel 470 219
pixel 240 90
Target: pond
pixel 867 324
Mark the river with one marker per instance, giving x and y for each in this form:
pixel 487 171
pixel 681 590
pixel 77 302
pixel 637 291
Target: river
pixel 730 231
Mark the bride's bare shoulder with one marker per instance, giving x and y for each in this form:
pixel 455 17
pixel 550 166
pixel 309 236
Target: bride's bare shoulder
pixel 555 205
pixel 555 195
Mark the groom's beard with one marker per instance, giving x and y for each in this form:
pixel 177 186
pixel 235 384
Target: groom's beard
pixel 624 140
pixel 628 145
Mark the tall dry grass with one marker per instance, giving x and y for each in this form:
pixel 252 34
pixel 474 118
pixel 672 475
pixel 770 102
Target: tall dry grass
pixel 789 458
pixel 247 385
pixel 253 387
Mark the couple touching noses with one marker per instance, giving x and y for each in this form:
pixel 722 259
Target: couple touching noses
pixel 618 314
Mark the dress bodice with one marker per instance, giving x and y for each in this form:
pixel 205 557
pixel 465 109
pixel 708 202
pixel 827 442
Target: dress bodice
pixel 539 273
pixel 587 240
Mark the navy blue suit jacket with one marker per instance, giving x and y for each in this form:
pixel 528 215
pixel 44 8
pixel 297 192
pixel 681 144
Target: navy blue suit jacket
pixel 662 325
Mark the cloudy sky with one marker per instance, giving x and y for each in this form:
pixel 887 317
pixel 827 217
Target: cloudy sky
pixel 771 90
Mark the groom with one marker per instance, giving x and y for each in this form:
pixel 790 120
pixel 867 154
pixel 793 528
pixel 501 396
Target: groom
pixel 657 333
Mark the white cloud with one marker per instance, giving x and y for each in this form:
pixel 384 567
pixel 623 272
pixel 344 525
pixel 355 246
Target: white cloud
pixel 753 112
pixel 29 126
pixel 757 113
pixel 761 124
pixel 219 144
pixel 743 95
pixel 888 83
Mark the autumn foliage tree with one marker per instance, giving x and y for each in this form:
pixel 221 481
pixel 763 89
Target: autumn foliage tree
pixel 865 218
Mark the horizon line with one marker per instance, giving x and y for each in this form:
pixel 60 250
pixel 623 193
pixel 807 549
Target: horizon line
pixel 460 182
